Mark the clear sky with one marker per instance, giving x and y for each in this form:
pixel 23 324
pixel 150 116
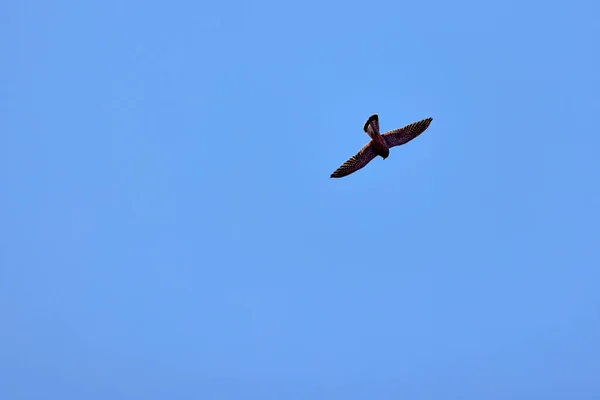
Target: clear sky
pixel 169 230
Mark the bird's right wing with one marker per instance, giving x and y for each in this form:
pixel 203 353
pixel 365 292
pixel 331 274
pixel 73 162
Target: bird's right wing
pixel 356 162
pixel 400 136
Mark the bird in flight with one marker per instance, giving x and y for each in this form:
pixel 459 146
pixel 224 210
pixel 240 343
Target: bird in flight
pixel 380 144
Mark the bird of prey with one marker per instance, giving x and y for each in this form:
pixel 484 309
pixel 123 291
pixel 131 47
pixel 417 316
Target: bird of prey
pixel 380 144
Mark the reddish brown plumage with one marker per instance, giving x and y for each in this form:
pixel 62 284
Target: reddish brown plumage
pixel 380 144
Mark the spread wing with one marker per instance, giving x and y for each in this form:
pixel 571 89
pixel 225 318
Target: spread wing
pixel 356 162
pixel 372 126
pixel 406 134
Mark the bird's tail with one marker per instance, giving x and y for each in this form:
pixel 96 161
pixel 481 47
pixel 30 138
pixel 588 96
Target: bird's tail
pixel 372 126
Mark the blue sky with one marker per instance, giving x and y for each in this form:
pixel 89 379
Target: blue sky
pixel 168 227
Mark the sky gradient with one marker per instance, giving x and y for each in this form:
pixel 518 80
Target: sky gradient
pixel 168 227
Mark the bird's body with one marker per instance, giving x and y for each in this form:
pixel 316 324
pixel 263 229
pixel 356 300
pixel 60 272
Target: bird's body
pixel 380 144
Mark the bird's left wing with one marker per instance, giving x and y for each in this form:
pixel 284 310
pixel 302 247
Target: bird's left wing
pixel 356 162
pixel 406 134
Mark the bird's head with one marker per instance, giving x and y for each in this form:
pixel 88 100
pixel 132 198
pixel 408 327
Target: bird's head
pixel 385 154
